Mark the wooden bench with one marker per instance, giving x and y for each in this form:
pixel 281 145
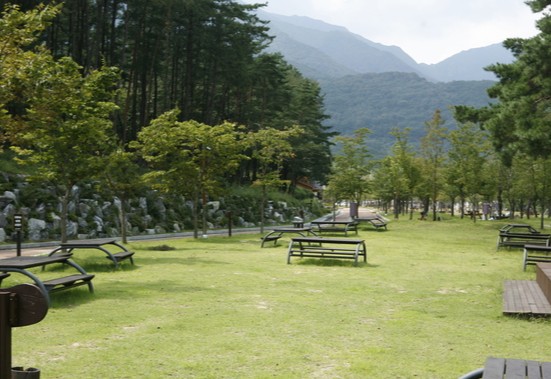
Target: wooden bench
pixel 535 253
pixel 99 244
pixel 323 247
pixel 67 282
pixel 337 226
pixel 508 368
pixel 122 256
pixel 378 223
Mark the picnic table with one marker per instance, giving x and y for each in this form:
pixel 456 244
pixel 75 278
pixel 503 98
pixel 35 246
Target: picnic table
pixel 277 233
pixel 335 226
pixel 518 235
pixel 99 244
pixel 508 368
pixel 22 264
pixel 379 222
pixel 324 247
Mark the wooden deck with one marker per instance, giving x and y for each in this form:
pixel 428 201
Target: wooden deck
pixel 524 297
pixel 529 296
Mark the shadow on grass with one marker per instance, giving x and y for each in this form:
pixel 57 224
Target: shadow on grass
pixel 187 261
pixel 331 262
pixel 71 298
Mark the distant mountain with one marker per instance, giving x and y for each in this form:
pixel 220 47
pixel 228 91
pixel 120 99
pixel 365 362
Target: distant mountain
pixel 298 37
pixel 367 84
pixel 382 102
pixel 321 50
pixel 469 64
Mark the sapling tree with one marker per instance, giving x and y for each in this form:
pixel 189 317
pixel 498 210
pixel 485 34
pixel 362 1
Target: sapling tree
pixel 189 158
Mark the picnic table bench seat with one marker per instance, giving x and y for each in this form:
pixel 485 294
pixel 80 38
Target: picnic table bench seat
pixel 58 284
pixel 378 223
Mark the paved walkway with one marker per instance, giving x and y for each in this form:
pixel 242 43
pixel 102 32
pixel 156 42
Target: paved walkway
pixel 39 248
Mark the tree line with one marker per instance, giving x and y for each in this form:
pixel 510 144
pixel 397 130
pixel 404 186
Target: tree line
pixel 88 83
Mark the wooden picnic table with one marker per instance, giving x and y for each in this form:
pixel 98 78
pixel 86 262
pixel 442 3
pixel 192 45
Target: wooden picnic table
pixel 518 235
pixel 99 244
pixel 22 264
pixel 377 221
pixel 335 226
pixel 276 233
pixel 508 368
pixel 324 247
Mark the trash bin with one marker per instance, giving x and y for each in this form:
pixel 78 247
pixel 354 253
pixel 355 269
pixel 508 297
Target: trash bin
pixel 298 222
pixel 22 373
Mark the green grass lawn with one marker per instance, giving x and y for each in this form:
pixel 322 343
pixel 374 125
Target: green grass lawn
pixel 426 305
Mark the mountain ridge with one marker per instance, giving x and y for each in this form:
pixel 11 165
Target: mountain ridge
pixel 368 84
pixel 360 55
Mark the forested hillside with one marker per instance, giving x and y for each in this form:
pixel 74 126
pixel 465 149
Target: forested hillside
pixel 206 58
pixel 385 101
pixel 131 97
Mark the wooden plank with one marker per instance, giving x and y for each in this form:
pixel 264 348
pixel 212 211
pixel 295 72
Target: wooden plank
pixel 515 369
pixel 494 368
pixel 546 370
pixel 533 370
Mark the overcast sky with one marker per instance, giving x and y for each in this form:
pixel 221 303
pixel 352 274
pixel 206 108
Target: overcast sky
pixel 427 30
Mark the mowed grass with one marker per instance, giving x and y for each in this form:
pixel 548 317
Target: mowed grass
pixel 428 304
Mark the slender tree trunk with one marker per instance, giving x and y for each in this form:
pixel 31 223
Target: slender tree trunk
pixel 195 213
pixel 122 214
pixel 262 207
pixel 65 213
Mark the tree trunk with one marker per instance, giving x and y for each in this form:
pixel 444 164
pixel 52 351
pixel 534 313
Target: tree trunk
pixel 122 215
pixel 65 213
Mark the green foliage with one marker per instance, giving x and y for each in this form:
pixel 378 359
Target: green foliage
pixel 349 179
pixel 468 158
pixel 519 123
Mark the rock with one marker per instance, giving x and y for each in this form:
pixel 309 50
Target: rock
pixel 10 196
pixel 35 227
pixel 9 210
pixel 214 205
pixel 72 229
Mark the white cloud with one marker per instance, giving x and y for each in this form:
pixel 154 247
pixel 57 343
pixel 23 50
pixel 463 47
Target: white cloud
pixel 428 30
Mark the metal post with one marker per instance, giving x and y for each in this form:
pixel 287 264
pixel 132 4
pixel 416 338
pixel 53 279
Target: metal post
pixel 19 243
pixel 229 223
pixel 18 225
pixel 5 335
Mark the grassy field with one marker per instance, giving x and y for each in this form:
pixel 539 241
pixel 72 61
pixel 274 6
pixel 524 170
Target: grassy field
pixel 426 305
